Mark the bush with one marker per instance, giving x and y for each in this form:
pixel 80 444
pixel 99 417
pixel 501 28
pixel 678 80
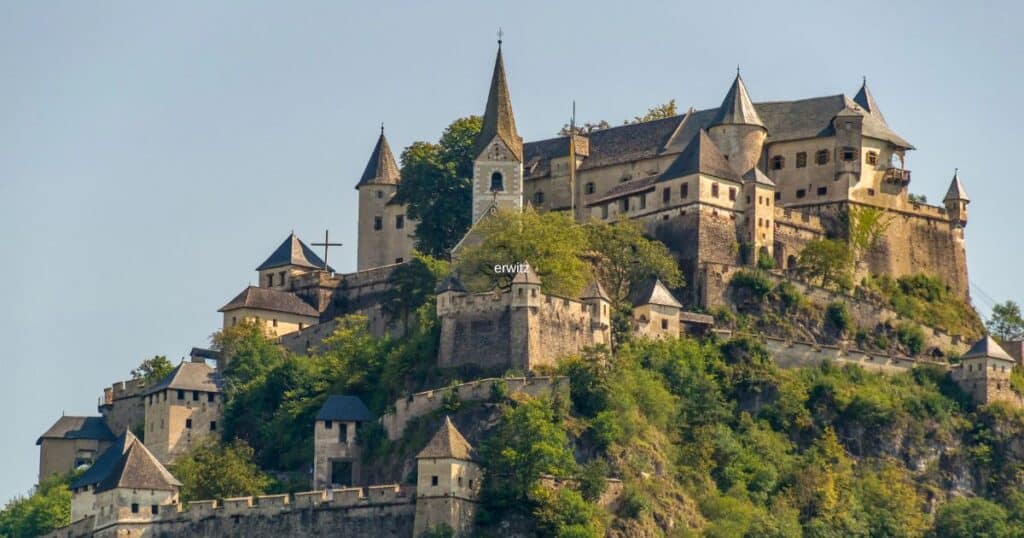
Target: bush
pixel 912 336
pixel 789 296
pixel 633 503
pixel 605 429
pixel 838 315
pixel 756 281
pixel 593 481
pixel 765 262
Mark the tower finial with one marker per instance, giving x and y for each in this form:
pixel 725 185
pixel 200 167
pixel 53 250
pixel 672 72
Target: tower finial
pixel 500 35
pixel 382 128
pixel 737 70
pixel 956 172
pixel 864 80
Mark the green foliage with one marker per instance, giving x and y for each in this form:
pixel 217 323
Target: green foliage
pixel 666 110
pixel 828 262
pixel 890 498
pixel 756 282
pixel 412 285
pixel 552 243
pixel 790 297
pixel 621 256
pixel 911 336
pixel 765 262
pixel 605 429
pixel 1006 322
pixel 525 444
pixel 927 300
pixel 214 470
pixel 867 225
pixel 633 503
pixel 436 186
pixel 47 508
pixel 837 314
pixel 564 513
pixel 917 198
pixel 450 402
pixel 443 530
pixel 963 517
pixel 152 371
pixel 593 479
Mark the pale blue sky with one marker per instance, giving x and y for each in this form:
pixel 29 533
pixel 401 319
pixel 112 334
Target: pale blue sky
pixel 151 157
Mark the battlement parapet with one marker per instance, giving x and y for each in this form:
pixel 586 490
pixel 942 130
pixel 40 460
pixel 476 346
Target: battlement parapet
pixel 369 277
pixel 422 403
pixel 308 499
pixel 121 390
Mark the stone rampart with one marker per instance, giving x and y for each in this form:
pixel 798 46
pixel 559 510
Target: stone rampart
pixel 794 354
pixel 422 403
pixel 121 405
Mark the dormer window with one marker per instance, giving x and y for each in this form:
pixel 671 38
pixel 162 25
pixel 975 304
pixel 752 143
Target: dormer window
pixel 497 182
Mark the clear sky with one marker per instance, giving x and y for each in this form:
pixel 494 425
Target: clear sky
pixel 151 157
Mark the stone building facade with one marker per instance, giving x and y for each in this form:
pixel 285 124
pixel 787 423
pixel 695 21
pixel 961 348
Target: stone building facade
pixel 71 443
pixel 183 409
pixel 336 455
pixel 984 373
pixel 517 329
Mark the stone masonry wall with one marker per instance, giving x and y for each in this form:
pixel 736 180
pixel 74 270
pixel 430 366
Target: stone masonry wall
pixel 422 403
pixel 122 405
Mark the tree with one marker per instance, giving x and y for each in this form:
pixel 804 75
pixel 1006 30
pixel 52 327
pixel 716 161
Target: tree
pixel 829 261
pixel 151 371
pixel 45 509
pixel 437 186
pixel 552 243
pixel 214 470
pixel 891 503
pixel 412 284
pixel 666 110
pixel 1006 322
pixel 867 225
pixel 621 256
pixel 971 517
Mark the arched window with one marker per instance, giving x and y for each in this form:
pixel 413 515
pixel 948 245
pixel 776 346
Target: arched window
pixel 538 197
pixel 497 182
pixel 778 162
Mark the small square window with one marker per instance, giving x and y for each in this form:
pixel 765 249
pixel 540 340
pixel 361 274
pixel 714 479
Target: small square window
pixel 801 159
pixel 778 196
pixel 800 193
pixel 589 188
pixel 822 191
pixel 135 508
pixel 871 192
pixel 328 425
pixel 821 157
pixel 380 194
pixel 849 154
pixel 778 162
pixel 181 395
pixel 154 509
pixel 871 157
pixel 399 260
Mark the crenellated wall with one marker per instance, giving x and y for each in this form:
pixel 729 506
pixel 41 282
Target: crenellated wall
pixel 121 405
pixel 422 403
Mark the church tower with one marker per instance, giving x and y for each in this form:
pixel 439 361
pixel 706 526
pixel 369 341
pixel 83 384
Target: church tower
pixel 737 129
pixel 498 151
pixel 380 235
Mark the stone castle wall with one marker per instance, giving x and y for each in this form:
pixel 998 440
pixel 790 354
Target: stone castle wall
pixel 478 329
pixel 791 354
pixel 386 510
pixel 986 381
pixel 122 405
pixel 422 403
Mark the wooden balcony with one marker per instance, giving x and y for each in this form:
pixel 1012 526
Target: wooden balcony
pixel 897 175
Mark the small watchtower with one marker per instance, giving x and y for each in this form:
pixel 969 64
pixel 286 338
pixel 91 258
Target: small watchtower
pixel 336 452
pixel 655 310
pixel 600 306
pixel 984 372
pixel 447 483
pixel 956 201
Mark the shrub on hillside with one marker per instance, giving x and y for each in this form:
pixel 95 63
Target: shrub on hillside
pixel 912 336
pixel 838 316
pixel 757 282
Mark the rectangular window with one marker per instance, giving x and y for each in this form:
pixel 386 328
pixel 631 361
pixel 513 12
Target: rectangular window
pixel 871 192
pixel 328 425
pixel 732 194
pixel 280 278
pixel 342 433
pixel 378 223
pixel 801 159
pixel 181 395
pixel 274 322
pixel 800 193
pixel 210 396
pixel 664 324
pixel 778 196
pixel 213 425
pixel 400 222
pixel 604 211
pixel 460 481
pixel 666 194
pixel 849 154
pixel 822 191
pixel 821 157
pixel 154 509
pixel 684 190
pixel 270 280
pixel 188 424
pixel 433 480
pixel 643 201
pixel 399 260
pixel 624 205
pixel 714 190
pixel 195 396
pixel 135 508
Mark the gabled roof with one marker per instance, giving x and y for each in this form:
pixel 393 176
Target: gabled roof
pixel 987 347
pixel 498 118
pixel 447 443
pixel 529 276
pixel 78 428
pixel 956 189
pixel 345 408
pixel 137 468
pixel 293 252
pixel 736 108
pixel 655 293
pixel 703 157
pixel 450 283
pixel 595 290
pixel 105 463
pixel 757 176
pixel 867 101
pixel 381 169
pixel 190 376
pixel 271 300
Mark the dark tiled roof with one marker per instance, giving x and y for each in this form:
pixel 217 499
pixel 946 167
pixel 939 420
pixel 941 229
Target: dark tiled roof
pixel 78 428
pixel 103 465
pixel 867 101
pixel 190 376
pixel 498 118
pixel 447 443
pixel 653 292
pixel 594 290
pixel 987 347
pixel 529 276
pixel 137 468
pixel 736 108
pixel 381 168
pixel 451 283
pixel 293 252
pixel 703 157
pixel 697 319
pixel 627 188
pixel 631 142
pixel 757 176
pixel 346 408
pixel 956 190
pixel 271 300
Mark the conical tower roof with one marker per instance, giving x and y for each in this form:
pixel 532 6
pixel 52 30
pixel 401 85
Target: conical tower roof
pixel 498 118
pixel 737 108
pixel 701 156
pixel 867 101
pixel 293 252
pixel 382 169
pixel 529 276
pixel 447 443
pixel 956 189
pixel 595 290
pixel 450 283
pixel 653 292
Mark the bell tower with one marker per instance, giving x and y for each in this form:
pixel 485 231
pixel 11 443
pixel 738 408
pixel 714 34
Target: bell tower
pixel 498 151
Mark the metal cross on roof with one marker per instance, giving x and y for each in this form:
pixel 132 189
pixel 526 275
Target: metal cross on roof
pixel 326 244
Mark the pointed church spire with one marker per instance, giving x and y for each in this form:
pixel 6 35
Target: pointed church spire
pixel 867 101
pixel 956 190
pixel 382 169
pixel 737 108
pixel 498 118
